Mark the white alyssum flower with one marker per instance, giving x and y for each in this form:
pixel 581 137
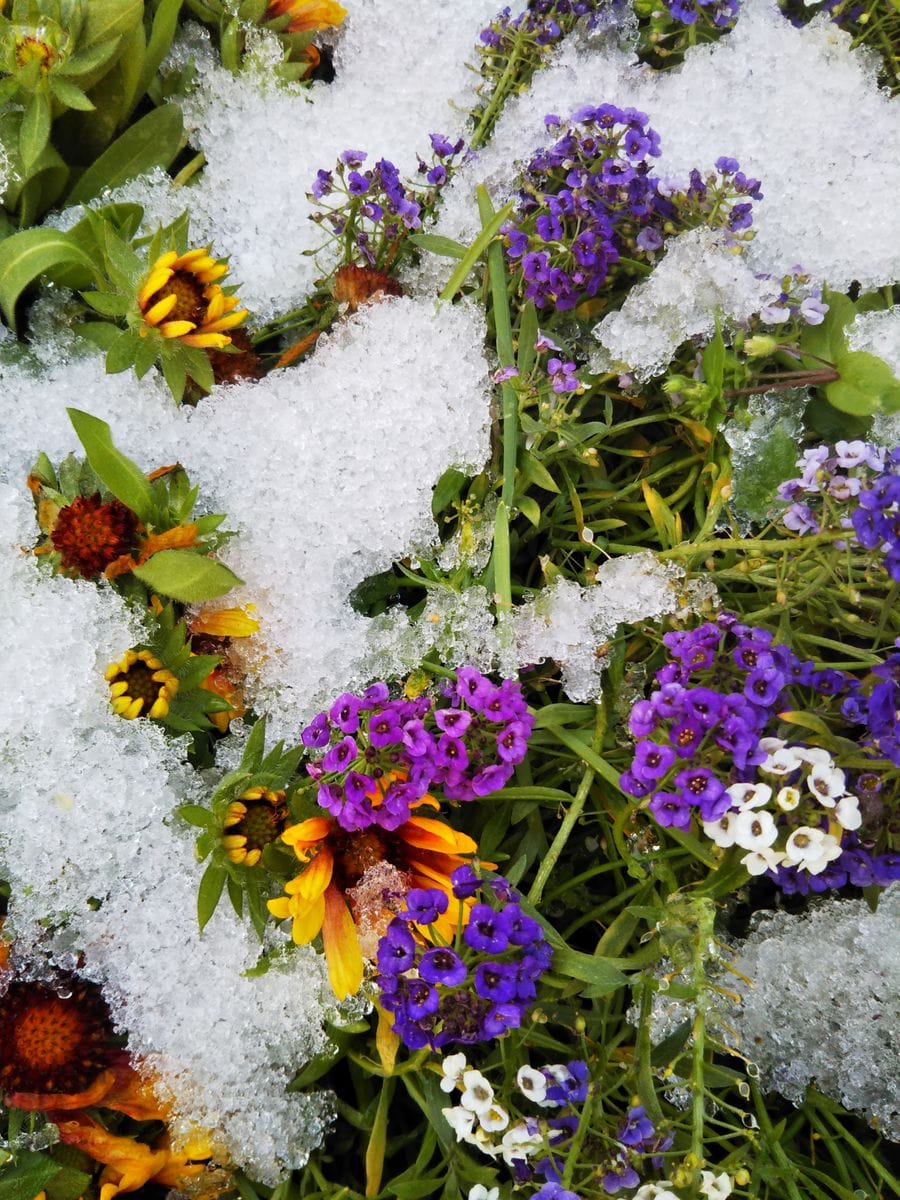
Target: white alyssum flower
pixel 749 795
pixel 479 1192
pixel 519 1141
pixel 532 1083
pixel 478 1095
pixel 788 798
pixel 765 859
pixel 815 756
pixel 754 830
pixel 827 784
pixel 656 1191
pixel 721 831
pixel 782 761
pixel 715 1187
pixel 460 1121
pixel 452 1069
pixel 811 849
pixel 846 812
pixel 493 1119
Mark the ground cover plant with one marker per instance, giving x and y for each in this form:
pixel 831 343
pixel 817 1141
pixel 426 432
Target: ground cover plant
pixel 450 534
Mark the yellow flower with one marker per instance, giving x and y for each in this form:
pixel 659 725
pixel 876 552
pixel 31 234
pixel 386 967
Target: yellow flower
pixel 252 823
pixel 224 622
pixel 330 897
pixel 306 16
pixel 180 298
pixel 139 685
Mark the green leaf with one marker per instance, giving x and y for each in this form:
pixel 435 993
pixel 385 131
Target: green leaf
pixel 437 244
pixel 603 977
pixel 100 334
pixel 448 488
pixel 529 508
pixel 255 746
pixel 124 478
pixel 153 141
pixel 109 304
pixel 68 94
pixel 714 361
pixel 528 331
pixel 195 814
pixel 756 477
pixel 867 385
pixel 121 351
pixel 35 130
pixel 186 576
pixel 30 1175
pixel 209 894
pixel 26 256
pixel 107 19
pixel 165 23
pixel 533 470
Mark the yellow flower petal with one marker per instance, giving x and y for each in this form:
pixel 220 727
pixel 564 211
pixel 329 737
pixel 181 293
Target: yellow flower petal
pixel 227 322
pixel 307 921
pixel 205 341
pixel 160 310
pixel 317 876
pixel 342 953
pixel 176 329
pixel 157 278
pixel 279 908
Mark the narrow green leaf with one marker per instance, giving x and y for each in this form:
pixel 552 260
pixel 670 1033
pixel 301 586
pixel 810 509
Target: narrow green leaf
pixel 596 971
pixel 532 468
pixel 209 893
pixel 436 244
pixel 165 23
pixel 109 304
pixel 255 746
pixel 529 507
pixel 107 19
pixel 195 814
pixel 475 251
pixel 35 130
pixel 186 576
pixel 124 478
pixel 153 141
pixel 528 331
pixel 448 488
pixel 26 256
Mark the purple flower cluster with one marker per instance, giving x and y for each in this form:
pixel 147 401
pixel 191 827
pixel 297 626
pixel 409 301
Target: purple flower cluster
pixel 381 756
pixel 700 730
pixel 637 1137
pixel 545 21
pixel 876 704
pixel 372 210
pixel 721 13
pixel 799 299
pixel 474 992
pixel 876 518
pixel 829 480
pixel 590 201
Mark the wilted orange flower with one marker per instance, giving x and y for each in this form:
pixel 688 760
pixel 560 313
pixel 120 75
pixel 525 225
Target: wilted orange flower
pixel 89 534
pixel 306 16
pixel 355 285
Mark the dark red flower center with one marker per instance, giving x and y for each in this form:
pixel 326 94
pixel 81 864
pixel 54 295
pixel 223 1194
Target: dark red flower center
pixel 89 534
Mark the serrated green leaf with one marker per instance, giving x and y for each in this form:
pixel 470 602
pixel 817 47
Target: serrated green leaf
pixel 68 94
pixel 436 244
pixel 186 575
pixel 35 129
pixel 120 475
pixel 26 256
pixel 209 893
pixel 121 352
pixel 153 141
pixel 100 334
pixel 30 1175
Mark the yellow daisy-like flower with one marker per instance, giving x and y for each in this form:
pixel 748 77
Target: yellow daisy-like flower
pixel 139 685
pixel 181 298
pixel 252 823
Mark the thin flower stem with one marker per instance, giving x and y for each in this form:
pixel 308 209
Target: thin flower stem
pixel 774 1145
pixel 189 170
pixel 496 102
pixel 749 545
pixel 474 252
pixel 704 936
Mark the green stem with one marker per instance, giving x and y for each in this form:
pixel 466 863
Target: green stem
pixel 486 120
pixel 551 858
pixel 190 170
pixel 774 1146
pixel 704 935
pixel 750 545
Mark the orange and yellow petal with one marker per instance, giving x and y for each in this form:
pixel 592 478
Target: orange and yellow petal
pixel 206 341
pixel 342 953
pixel 160 310
pixel 308 833
pixel 176 329
pixel 316 878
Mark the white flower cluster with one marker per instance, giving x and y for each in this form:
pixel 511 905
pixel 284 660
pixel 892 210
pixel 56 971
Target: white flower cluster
pixel 478 1116
pixel 753 826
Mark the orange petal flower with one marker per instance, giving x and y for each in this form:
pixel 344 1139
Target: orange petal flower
pixel 306 16
pixel 342 952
